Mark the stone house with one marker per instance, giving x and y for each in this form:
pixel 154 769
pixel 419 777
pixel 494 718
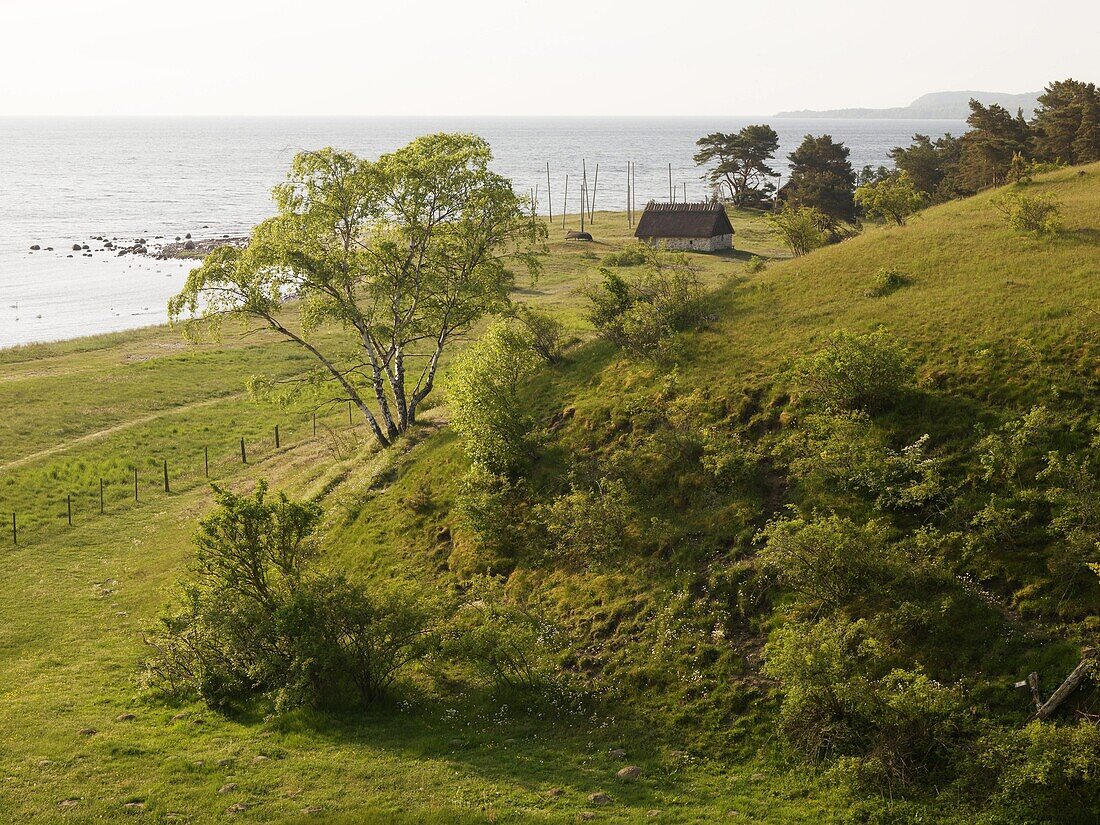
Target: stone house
pixel 702 227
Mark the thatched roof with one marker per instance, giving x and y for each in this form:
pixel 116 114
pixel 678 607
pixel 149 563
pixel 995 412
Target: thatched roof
pixel 683 220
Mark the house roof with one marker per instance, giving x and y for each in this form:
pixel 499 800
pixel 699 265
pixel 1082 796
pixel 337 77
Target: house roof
pixel 683 220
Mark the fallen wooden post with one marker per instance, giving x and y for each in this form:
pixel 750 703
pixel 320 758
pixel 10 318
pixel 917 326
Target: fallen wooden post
pixel 1084 667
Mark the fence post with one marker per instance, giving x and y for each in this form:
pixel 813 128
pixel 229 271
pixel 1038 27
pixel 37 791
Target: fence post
pixel 350 422
pixel 276 436
pixel 206 452
pixel 14 530
pixel 135 485
pixel 69 508
pixel 244 456
pixel 315 425
pixel 101 496
pixel 166 488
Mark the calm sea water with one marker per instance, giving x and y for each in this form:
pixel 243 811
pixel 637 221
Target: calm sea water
pixel 65 180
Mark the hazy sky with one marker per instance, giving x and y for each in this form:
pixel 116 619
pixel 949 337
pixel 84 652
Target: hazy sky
pixel 519 57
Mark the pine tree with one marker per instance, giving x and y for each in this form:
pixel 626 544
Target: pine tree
pixel 1086 143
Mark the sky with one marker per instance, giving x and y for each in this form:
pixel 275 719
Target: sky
pixel 517 57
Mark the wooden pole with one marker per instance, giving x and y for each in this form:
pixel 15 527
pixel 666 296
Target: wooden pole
pixel 565 202
pixel 671 196
pixel 592 204
pixel 206 456
pixel 69 508
pixel 685 192
pixel 628 223
pixel 167 489
pixel 350 423
pixel 584 192
pixel 101 507
pixel 549 195
pixel 276 436
pixel 244 455
pixel 315 425
pixel 135 485
pixel 14 530
pixel 633 191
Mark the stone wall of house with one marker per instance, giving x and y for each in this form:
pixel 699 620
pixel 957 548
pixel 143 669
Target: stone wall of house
pixel 693 244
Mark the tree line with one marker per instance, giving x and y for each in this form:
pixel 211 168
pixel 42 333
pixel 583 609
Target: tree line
pixel 998 147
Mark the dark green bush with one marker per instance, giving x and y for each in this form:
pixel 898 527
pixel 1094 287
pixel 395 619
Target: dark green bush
pixel 1044 772
pixel 886 280
pixel 634 254
pixel 842 697
pixel 869 372
pixel 257 618
pixel 642 314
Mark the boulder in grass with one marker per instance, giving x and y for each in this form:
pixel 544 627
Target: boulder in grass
pixel 629 772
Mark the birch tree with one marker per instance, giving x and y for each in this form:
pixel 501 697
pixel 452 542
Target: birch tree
pixel 402 256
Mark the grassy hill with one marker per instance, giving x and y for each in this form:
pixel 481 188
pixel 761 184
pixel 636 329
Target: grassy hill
pixel 662 638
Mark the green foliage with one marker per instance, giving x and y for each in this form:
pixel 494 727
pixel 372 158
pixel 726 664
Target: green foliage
pixel 988 148
pixel 1044 770
pixel 1067 122
pixel 868 372
pixel 932 166
pixel 755 264
pixel 803 229
pixel 402 254
pixel 633 254
pixel 642 314
pixel 544 333
pixel 1039 215
pixel 893 198
pixel 739 163
pixel 589 525
pixel 828 562
pixel 842 698
pixel 822 178
pixel 257 619
pixel 495 509
pixel 886 280
pixel 510 646
pixel 484 395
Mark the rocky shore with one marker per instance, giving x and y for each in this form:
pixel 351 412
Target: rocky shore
pixel 183 247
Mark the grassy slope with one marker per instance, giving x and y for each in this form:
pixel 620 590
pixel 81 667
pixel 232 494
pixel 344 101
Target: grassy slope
pixel 994 317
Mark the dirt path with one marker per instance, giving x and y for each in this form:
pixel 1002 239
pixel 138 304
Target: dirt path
pixel 88 438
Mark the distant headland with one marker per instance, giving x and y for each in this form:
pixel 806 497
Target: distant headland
pixel 935 105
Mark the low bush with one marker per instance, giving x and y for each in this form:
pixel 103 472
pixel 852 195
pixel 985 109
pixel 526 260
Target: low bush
pixel 496 511
pixel 1039 215
pixel 642 315
pixel 755 264
pixel 1044 770
pixel 803 229
pixel 258 619
pixel 886 280
pixel 842 697
pixel 893 198
pixel 868 372
pixel 589 525
pixel 544 333
pixel 827 561
pixel 634 254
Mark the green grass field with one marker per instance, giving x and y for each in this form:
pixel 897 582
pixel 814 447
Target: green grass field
pixel 997 321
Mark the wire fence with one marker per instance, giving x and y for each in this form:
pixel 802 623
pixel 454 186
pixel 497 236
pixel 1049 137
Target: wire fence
pixel 153 479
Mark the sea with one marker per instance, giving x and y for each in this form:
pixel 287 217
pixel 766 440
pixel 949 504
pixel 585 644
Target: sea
pixel 64 181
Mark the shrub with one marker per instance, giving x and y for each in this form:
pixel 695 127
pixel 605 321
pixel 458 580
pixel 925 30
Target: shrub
pixel 544 333
pixel 496 510
pixel 803 229
pixel 642 315
pixel 589 525
pixel 886 281
pixel 1039 215
pixel 842 698
pixel 858 372
pixel 755 264
pixel 258 620
pixel 826 561
pixel 483 392
pixel 894 198
pixel 1043 769
pixel 634 254
pixel 507 644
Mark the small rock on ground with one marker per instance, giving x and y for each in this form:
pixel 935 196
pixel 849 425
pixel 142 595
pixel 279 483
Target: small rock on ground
pixel 617 753
pixel 629 772
pixel 71 802
pixel 653 812
pixel 228 787
pixel 88 731
pixel 238 807
pixel 599 798
pixel 134 807
pixel 587 815
pixel 555 792
pixel 261 758
pixel 125 717
pixel 313 810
